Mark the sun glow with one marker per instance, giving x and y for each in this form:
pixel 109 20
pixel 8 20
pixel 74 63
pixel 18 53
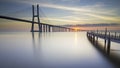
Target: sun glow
pixel 76 28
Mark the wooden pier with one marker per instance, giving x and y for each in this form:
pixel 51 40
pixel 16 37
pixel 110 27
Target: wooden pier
pixel 107 36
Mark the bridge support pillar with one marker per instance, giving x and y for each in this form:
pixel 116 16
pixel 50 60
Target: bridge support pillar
pixel 49 28
pixel 33 19
pixel 43 28
pixel 53 29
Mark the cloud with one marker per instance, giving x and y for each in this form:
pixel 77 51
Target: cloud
pixel 71 20
pixel 77 9
pixel 85 13
pixel 108 18
pixel 71 1
pixel 95 8
pixel 60 20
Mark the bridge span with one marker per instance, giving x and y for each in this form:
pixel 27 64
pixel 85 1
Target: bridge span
pixel 41 26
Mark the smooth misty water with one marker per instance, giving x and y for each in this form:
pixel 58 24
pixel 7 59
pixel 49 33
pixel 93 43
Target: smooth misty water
pixel 49 50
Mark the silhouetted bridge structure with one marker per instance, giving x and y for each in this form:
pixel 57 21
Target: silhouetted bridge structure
pixel 108 37
pixel 41 26
pixel 45 27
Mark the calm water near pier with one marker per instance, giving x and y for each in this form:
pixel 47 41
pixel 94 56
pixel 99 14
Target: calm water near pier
pixel 49 50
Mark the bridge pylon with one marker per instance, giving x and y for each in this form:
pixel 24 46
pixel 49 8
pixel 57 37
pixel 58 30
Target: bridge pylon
pixel 36 15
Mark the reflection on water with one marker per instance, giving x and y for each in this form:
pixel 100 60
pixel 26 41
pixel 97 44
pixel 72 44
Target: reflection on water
pixel 49 50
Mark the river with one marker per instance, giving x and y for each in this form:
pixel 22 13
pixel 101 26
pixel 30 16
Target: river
pixel 49 50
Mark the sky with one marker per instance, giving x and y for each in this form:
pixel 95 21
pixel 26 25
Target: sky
pixel 61 12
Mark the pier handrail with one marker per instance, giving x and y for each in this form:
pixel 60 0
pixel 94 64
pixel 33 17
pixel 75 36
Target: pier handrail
pixel 114 36
pixel 108 37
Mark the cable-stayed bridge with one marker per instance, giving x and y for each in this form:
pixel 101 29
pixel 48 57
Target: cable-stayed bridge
pixel 42 27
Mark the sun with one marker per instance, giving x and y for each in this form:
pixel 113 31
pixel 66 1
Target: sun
pixel 76 28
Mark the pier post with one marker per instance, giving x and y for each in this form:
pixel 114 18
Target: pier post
pixel 108 45
pixel 115 34
pixel 93 38
pixel 119 36
pixel 97 38
pixel 105 40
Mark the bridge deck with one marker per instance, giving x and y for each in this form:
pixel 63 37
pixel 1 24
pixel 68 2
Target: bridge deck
pixel 27 21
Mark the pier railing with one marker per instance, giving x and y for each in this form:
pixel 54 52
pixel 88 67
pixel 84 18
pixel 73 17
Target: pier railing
pixel 107 36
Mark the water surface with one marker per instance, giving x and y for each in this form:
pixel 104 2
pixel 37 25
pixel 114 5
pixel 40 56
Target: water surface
pixel 49 50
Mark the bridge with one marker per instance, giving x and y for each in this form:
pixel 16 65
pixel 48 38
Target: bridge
pixel 41 26
pixel 46 27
